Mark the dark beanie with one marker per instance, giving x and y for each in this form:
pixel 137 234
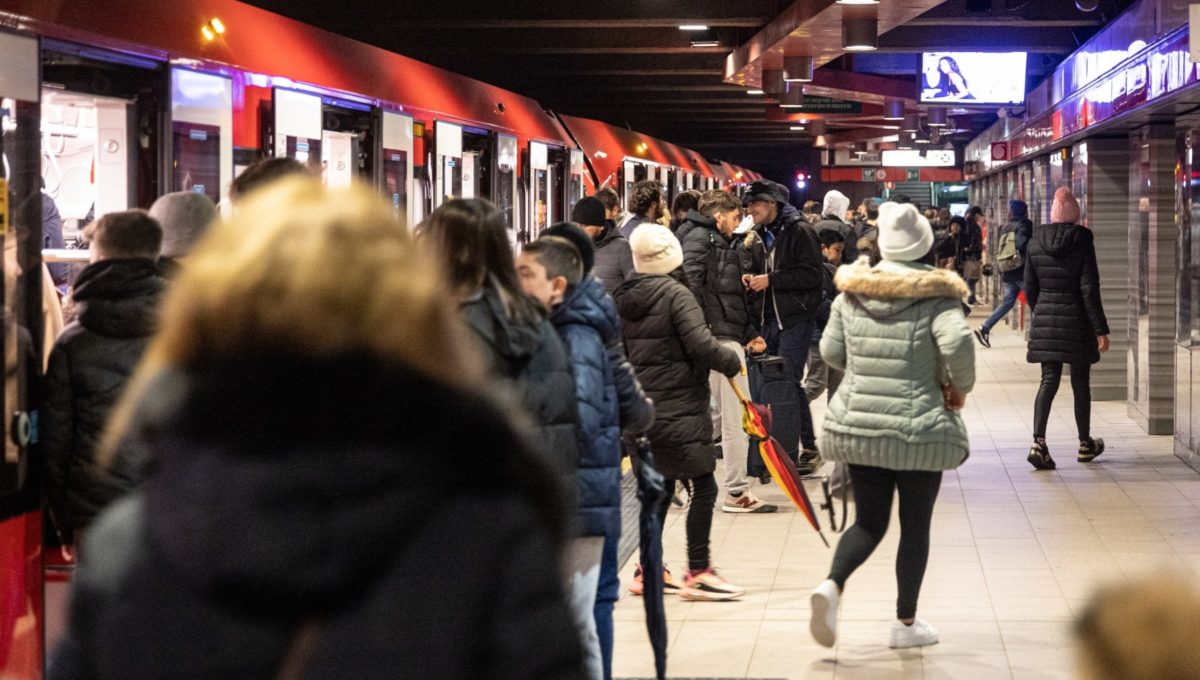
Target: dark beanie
pixel 577 237
pixel 1018 209
pixel 589 212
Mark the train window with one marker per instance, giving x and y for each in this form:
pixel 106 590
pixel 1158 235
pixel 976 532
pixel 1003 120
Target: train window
pixel 397 163
pixel 298 126
pixel 504 182
pixel 202 133
pixel 540 195
pixel 448 165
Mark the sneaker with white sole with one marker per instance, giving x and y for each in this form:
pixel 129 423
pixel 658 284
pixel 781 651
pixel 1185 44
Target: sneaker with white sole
pixel 747 502
pixel 919 634
pixel 824 613
pixel 708 585
pixel 638 587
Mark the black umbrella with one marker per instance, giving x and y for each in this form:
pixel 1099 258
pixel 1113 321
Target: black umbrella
pixel 651 490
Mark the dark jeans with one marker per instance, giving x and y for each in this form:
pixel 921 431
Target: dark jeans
pixel 794 343
pixel 873 491
pixel 699 518
pixel 607 593
pixel 971 284
pixel 1011 290
pixel 1081 387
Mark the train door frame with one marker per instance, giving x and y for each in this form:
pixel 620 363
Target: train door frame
pixel 296 126
pixel 506 184
pixel 547 179
pixel 394 163
pixel 478 163
pixel 350 141
pixel 575 187
pixel 447 138
pixel 201 110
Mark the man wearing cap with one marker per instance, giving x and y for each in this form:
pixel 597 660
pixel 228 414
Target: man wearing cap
pixel 613 259
pixel 790 283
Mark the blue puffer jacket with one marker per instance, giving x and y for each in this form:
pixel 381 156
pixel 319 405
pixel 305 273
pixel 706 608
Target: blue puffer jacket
pixel 586 322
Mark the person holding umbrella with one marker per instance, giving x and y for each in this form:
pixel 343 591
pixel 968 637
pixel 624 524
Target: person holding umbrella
pixel 898 332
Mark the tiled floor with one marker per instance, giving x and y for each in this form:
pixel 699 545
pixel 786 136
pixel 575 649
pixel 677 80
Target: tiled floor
pixel 1016 554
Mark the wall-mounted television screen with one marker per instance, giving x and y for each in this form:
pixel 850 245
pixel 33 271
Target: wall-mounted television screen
pixel 996 78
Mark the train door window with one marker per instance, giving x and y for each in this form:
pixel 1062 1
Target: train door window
pixel 628 178
pixel 298 126
pixel 670 190
pixel 557 172
pixel 504 182
pixel 448 177
pixel 575 189
pixel 348 141
pixel 202 133
pixel 397 167
pixel 539 193
pixel 689 181
pixel 477 164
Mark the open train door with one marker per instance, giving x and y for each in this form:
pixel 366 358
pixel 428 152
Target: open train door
pixel 396 176
pixel 297 126
pixel 447 168
pixel 504 184
pixel 22 640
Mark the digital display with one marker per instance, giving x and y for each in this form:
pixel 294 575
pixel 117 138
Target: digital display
pixel 973 77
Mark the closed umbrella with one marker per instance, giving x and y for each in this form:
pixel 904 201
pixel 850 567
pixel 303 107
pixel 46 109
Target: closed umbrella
pixel 651 490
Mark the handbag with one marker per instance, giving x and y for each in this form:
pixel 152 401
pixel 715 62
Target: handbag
pixel 971 269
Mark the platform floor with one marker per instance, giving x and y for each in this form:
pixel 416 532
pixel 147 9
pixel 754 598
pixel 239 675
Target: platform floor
pixel 1016 554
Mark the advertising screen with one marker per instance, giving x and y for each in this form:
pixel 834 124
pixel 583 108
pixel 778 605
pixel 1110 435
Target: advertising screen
pixel 974 77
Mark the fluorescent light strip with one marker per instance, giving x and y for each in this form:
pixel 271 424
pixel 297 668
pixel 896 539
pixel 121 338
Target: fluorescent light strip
pixel 693 27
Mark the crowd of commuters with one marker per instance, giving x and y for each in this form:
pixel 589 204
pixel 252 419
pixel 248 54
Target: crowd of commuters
pixel 250 435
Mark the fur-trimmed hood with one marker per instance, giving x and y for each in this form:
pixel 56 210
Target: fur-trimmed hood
pixel 891 287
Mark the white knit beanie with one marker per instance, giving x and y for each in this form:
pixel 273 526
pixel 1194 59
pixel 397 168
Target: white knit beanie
pixel 904 234
pixel 655 249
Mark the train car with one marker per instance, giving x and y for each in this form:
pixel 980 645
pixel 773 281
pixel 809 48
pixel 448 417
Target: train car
pixel 107 104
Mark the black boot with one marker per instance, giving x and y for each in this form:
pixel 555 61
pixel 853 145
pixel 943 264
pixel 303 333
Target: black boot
pixel 1090 448
pixel 1039 455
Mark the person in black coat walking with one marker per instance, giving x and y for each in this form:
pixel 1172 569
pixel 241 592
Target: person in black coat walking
pixel 1062 283
pixel 336 495
pixel 970 251
pixel 117 299
pixel 673 351
pixel 1010 258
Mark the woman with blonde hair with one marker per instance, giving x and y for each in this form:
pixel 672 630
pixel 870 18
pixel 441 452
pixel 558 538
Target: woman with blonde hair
pixel 305 404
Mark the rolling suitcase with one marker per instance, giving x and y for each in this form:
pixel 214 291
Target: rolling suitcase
pixel 773 383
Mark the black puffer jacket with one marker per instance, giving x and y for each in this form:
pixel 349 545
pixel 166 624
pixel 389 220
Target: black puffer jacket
pixel 533 360
pixel 1062 284
pixel 793 262
pixel 850 251
pixel 713 264
pixel 672 351
pixel 89 366
pixel 292 494
pixel 614 259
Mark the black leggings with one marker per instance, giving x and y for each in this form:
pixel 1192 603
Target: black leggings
pixel 1081 387
pixel 699 517
pixel 873 491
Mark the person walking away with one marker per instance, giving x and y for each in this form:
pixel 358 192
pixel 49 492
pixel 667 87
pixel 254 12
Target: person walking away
pixel 613 259
pixel 1062 284
pixel 186 217
pixel 970 252
pixel 896 423
pixel 672 351
pixel 713 265
pixel 522 350
pixel 1010 259
pixel 645 205
pixel 635 412
pixel 819 377
pixel 685 202
pixel 789 288
pixel 303 510
pixel 836 204
pixel 117 297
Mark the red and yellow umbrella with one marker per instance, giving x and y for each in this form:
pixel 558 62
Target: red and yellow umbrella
pixel 756 421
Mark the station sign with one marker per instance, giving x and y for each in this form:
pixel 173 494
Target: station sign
pixel 812 104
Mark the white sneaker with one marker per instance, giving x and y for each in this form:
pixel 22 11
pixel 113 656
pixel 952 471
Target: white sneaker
pixel 919 634
pixel 824 613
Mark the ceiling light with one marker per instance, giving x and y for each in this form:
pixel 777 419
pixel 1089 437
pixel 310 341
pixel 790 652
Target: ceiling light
pixel 920 139
pixel 912 122
pixel 755 92
pixel 937 116
pixel 797 128
pixel 706 38
pixel 218 26
pixel 798 69
pixel 793 98
pixel 693 27
pixel 860 28
pixel 893 109
pixel 858 2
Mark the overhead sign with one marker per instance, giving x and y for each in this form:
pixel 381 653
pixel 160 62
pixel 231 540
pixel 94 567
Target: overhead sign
pixel 909 158
pixel 811 104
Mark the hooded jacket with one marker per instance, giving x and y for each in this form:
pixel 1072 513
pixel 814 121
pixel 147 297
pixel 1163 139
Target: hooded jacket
pixel 672 351
pixel 793 262
pixel 330 506
pixel 586 321
pixel 614 259
pixel 1062 284
pixel 1023 228
pixel 89 366
pixel 714 264
pixel 531 358
pixel 834 208
pixel 898 332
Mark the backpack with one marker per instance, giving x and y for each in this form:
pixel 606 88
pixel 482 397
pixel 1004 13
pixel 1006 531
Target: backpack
pixel 1008 257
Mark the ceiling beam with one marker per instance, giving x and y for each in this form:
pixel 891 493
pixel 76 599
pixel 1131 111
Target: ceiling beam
pixel 500 48
pixel 1002 22
pixel 502 24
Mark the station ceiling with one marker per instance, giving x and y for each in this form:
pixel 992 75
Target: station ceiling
pixel 627 62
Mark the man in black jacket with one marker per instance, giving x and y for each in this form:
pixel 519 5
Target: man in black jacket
pixel 613 259
pixel 835 207
pixel 117 295
pixel 713 265
pixel 791 286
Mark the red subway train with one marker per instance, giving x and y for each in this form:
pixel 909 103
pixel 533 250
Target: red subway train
pixel 107 104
